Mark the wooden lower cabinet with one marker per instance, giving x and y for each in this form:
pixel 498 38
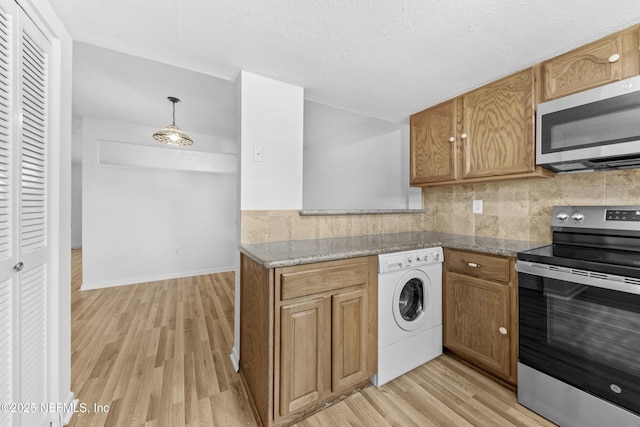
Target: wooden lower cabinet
pixel 480 321
pixel 305 354
pixel 318 340
pixel 349 358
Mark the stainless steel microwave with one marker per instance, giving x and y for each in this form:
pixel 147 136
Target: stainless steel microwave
pixel 597 129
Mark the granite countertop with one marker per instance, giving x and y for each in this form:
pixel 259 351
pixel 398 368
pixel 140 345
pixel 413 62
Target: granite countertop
pixel 295 252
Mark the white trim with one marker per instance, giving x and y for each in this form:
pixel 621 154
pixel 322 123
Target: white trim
pixel 235 358
pixel 72 403
pixel 155 278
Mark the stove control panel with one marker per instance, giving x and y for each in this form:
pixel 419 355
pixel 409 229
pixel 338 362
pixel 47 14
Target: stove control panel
pixel 622 215
pixel 596 217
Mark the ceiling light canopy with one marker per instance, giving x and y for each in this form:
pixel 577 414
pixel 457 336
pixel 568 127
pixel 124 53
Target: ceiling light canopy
pixel 173 135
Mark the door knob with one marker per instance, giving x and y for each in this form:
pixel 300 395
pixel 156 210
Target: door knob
pixel 19 266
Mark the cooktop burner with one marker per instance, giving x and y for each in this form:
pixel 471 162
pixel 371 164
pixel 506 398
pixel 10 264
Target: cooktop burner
pixel 594 238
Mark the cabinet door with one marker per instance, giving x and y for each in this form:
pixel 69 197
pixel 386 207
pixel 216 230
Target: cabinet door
pixel 305 353
pixel 433 144
pixel 475 312
pixel 604 61
pixel 349 339
pixel 498 133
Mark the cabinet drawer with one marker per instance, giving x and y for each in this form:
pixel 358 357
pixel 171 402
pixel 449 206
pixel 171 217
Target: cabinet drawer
pixel 480 265
pixel 301 280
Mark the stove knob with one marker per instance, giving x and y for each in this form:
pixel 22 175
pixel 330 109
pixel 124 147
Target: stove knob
pixel 562 216
pixel 577 216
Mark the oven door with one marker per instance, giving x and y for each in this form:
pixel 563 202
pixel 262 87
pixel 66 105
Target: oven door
pixel 583 335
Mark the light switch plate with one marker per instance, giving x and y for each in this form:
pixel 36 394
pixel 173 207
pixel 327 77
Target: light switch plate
pixel 477 206
pixel 257 153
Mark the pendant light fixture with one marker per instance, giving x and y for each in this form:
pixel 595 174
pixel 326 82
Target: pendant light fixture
pixel 172 134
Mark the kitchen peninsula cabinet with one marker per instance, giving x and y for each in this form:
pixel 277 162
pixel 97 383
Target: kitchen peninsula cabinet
pixel 615 57
pixel 480 321
pixel 484 135
pixel 307 334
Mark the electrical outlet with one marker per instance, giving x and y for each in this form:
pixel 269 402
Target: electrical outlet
pixel 477 206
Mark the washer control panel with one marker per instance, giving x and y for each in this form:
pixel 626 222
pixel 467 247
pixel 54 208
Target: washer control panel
pixel 409 259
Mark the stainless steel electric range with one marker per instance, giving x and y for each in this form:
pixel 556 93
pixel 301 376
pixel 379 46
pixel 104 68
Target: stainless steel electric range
pixel 579 319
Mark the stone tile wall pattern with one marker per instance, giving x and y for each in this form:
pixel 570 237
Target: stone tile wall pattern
pixel 518 210
pixel 521 210
pixel 273 226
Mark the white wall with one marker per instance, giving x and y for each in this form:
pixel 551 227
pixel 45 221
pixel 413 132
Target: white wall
pixel 76 205
pixel 142 224
pixel 363 168
pixel 272 115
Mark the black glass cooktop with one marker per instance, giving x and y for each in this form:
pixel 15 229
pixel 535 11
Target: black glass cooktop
pixel 623 263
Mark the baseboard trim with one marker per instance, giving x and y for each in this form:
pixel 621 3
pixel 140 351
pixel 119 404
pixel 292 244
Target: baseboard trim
pixel 155 278
pixel 235 358
pixel 70 405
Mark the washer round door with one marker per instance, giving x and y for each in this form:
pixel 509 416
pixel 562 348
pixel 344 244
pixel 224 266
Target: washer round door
pixel 411 299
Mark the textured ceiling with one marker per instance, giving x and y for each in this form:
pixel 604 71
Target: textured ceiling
pixel 382 58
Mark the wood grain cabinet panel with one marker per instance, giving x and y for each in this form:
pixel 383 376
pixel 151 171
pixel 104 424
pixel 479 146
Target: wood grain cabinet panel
pixel 487 134
pixel 610 59
pixel 486 266
pixel 305 354
pixel 349 343
pixel 498 132
pixel 433 148
pixel 308 335
pixel 480 311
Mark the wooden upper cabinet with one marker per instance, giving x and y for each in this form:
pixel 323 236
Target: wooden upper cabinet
pixel 498 133
pixel 487 134
pixel 610 59
pixel 433 148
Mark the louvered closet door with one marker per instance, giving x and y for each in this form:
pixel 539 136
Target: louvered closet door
pixel 8 213
pixel 32 218
pixel 24 53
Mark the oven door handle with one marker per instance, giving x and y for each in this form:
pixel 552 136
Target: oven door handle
pixel 599 280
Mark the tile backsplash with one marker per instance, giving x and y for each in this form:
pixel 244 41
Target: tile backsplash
pixel 517 210
pixel 272 226
pixel 521 210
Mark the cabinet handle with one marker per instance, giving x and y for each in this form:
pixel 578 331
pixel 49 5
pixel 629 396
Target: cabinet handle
pixel 473 265
pixel 503 330
pixel 614 57
pixel 452 139
pixel 19 266
pixel 463 136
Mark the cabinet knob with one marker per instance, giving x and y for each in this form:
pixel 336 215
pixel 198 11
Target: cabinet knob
pixel 463 136
pixel 19 266
pixel 452 139
pixel 614 57
pixel 503 330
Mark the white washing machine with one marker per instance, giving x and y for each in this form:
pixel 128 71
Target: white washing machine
pixel 409 311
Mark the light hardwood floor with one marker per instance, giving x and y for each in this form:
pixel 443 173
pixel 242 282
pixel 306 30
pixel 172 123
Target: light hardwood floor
pixel 157 354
